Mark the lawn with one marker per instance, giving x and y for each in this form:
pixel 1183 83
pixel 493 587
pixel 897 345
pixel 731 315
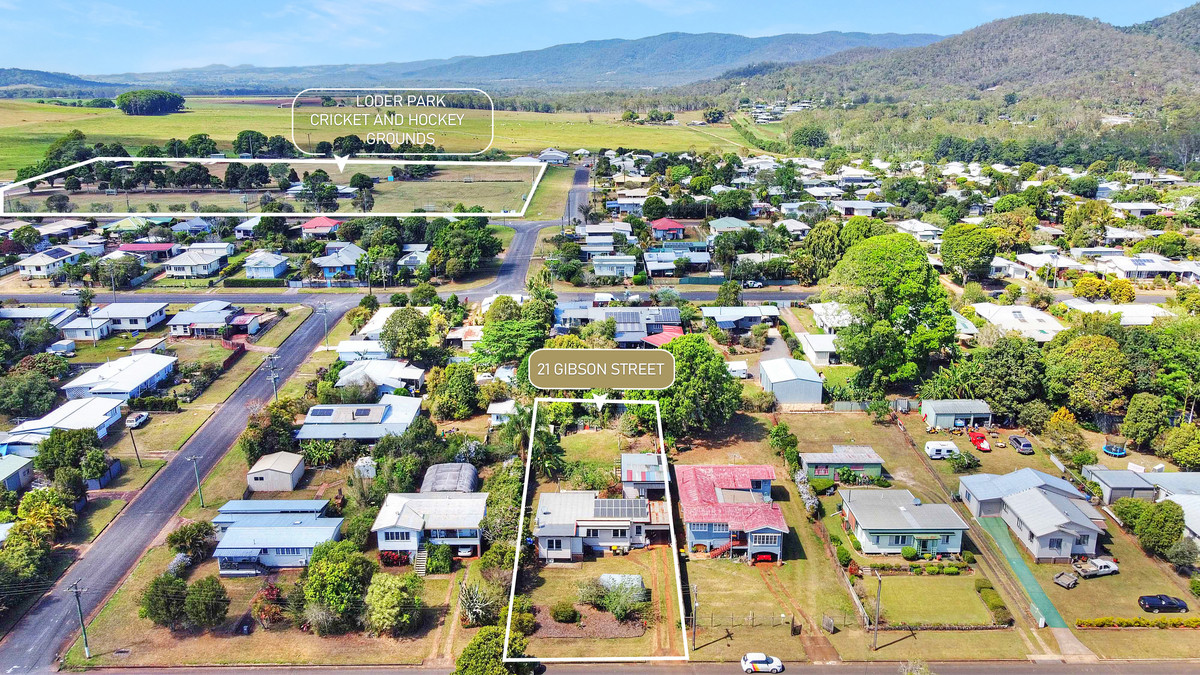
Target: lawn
pixel 132 476
pixel 115 346
pixel 550 200
pixel 998 461
pixel 96 516
pixel 924 599
pixel 284 328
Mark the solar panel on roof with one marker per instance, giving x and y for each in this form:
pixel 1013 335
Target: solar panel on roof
pixel 322 412
pixel 362 411
pixel 620 508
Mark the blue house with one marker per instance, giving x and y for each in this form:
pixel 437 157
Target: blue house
pixel 342 260
pixel 16 473
pixel 265 265
pixel 728 509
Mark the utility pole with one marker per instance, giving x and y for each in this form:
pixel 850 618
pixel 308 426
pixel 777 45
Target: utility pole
pixel 695 612
pixel 82 626
pixel 195 460
pixel 135 450
pixel 274 369
pixel 878 595
pixel 324 310
pixel 112 272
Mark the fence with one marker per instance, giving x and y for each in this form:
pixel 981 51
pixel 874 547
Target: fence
pixel 5 271
pixel 330 283
pixel 900 405
pixel 238 348
pixel 715 619
pixel 113 470
pixel 146 276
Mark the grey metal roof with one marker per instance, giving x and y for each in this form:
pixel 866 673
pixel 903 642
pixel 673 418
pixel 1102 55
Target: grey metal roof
pixel 955 406
pixel 991 486
pixel 1182 483
pixel 1119 478
pixel 843 454
pixel 274 506
pixel 452 477
pixel 898 510
pixel 1044 512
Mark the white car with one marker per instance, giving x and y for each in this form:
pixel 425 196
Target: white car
pixel 137 419
pixel 757 662
pixel 752 283
pixel 72 291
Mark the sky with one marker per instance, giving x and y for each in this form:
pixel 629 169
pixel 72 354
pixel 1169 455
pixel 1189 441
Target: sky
pixel 106 37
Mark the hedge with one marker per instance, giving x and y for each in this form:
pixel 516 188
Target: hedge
pixel 155 403
pixel 1140 622
pixel 255 283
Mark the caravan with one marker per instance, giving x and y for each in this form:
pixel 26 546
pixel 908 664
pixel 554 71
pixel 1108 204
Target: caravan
pixel 941 449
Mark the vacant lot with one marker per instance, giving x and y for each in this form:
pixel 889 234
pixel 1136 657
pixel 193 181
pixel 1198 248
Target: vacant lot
pixel 924 599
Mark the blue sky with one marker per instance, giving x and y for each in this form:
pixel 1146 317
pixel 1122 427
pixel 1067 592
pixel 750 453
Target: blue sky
pixel 84 37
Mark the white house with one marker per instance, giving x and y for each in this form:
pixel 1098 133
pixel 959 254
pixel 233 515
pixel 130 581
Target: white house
pixel 623 266
pixel 131 316
pixel 791 381
pixel 391 416
pixel 406 521
pixel 276 472
pixel 221 248
pixel 886 521
pixel 48 262
pixel 819 348
pixel 1030 322
pixel 81 413
pixel 500 411
pixel 265 265
pixel 245 230
pixel 386 375
pixel 568 523
pixel 193 265
pixel 124 378
pixel 360 350
pixel 87 328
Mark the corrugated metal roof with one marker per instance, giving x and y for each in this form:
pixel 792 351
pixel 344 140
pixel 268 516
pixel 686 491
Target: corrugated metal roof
pixel 898 510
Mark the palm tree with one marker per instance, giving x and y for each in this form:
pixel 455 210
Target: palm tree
pixel 517 429
pixel 549 458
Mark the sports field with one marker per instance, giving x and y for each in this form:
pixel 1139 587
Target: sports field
pixel 28 128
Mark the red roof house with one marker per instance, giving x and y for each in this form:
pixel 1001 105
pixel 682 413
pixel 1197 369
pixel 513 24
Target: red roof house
pixel 659 339
pixel 728 509
pixel 321 226
pixel 665 228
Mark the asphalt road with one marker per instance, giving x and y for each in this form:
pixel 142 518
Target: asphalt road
pixel 35 643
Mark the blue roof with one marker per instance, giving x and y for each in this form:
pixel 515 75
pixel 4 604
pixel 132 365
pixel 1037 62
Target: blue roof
pixel 991 486
pixel 274 506
pixel 239 539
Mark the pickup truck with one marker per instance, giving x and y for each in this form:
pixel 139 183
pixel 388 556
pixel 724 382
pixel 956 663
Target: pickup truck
pixel 1096 567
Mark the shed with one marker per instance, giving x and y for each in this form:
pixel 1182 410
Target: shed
pixel 1117 483
pixel 955 412
pixel 149 346
pixel 791 381
pixel 276 472
pixel 450 477
pixel 16 473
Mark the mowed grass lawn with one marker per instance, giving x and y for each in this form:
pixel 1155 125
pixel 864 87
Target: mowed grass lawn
pixel 96 516
pixel 550 200
pixel 924 599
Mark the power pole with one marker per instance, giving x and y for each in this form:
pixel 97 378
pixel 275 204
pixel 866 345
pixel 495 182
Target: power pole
pixel 324 310
pixel 135 450
pixel 695 612
pixel 878 595
pixel 195 460
pixel 82 626
pixel 274 369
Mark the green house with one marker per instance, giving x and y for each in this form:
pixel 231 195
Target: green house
pixel 861 459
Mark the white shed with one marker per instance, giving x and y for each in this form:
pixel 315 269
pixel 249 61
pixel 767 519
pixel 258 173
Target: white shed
pixel 791 381
pixel 276 472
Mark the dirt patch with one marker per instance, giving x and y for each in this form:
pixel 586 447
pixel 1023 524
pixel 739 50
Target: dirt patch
pixel 592 624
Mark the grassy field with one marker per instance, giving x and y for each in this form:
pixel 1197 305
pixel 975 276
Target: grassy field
pixel 939 599
pixel 550 200
pixel 95 517
pixel 28 128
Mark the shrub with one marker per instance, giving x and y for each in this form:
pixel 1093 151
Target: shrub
pixel 155 403
pixel 982 583
pixel 843 556
pixel 564 612
pixel 1002 616
pixel 991 598
pixel 917 570
pixel 393 558
pixel 908 553
pixel 951 570
pixel 254 283
pixel 522 615
pixel 835 539
pixel 821 485
pixel 854 542
pixel 933 569
pixel 1194 586
pixel 440 559
pixel 968 557
pixel 882 482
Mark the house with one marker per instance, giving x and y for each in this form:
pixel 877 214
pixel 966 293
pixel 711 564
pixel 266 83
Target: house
pixel 16 473
pixel 360 350
pixel 819 348
pixel 824 191
pixel 122 379
pixel 791 381
pixel 742 318
pixel 1140 266
pixel 152 251
pixel 554 156
pixel 24 316
pixel 276 472
pixel 923 232
pixel 1132 314
pixel 665 228
pixel 194 227
pixel 206 319
pixel 193 265
pixel 49 262
pixel 728 509
pixel 408 522
pixel 450 477
pixel 321 227
pixel 1191 515
pixel 342 261
pixel 245 230
pixel 633 324
pixel 130 224
pixel 1034 262
pixel 385 375
pixel 567 524
pixel 1029 322
pixel 465 336
pixel 87 328
pixel 1118 483
pixel 623 266
pixel 255 536
pixel 364 422
pixel 886 521
pixel 92 244
pixel 221 248
pixel 728 224
pixel 411 260
pixel 830 316
pixel 643 474
pixel 738 370
pixel 132 316
pixel 796 229
pixel 955 412
pixel 265 265
pixel 500 411
pixel 858 207
pixel 1046 514
pixel 861 459
pixel 1007 269
pixel 1135 210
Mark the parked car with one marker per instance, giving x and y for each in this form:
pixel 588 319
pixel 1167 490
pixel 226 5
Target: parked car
pixel 757 662
pixel 1022 444
pixel 752 283
pixel 1095 567
pixel 979 441
pixel 137 419
pixel 1161 603
pixel 71 291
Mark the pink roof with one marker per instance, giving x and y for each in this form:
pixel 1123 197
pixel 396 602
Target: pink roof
pixel 244 319
pixel 665 224
pixel 698 498
pixel 320 222
pixel 659 339
pixel 143 248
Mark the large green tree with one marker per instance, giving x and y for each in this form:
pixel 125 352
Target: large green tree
pixel 507 341
pixel 1145 419
pixel 64 448
pixel 900 311
pixel 405 333
pixel 824 244
pixel 163 601
pixel 207 602
pixel 1009 374
pixel 967 251
pixel 1090 374
pixel 1160 527
pixel 704 395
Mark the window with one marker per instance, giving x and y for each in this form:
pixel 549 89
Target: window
pixel 396 536
pixel 637 530
pixel 720 527
pixel 287 551
pixel 1083 539
pixel 821 470
pixel 592 534
pixel 1055 543
pixel 620 534
pixel 260 478
pixel 764 539
pixel 756 485
pixel 554 544
pixel 899 539
pixel 466 533
pixel 699 527
pixel 945 539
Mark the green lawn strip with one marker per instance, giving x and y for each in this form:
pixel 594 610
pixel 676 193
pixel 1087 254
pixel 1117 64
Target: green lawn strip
pixel 928 599
pixel 550 200
pixel 133 477
pixel 504 233
pixel 60 560
pixel 226 481
pixel 96 516
pixel 284 328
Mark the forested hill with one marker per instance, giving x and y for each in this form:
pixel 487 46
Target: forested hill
pixel 18 77
pixel 1056 55
pixel 1182 26
pixel 661 60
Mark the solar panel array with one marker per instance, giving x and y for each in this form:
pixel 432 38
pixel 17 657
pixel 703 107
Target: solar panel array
pixel 321 412
pixel 621 508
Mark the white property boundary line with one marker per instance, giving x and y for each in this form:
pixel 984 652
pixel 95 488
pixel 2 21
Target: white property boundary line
pixel 512 593
pixel 340 162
